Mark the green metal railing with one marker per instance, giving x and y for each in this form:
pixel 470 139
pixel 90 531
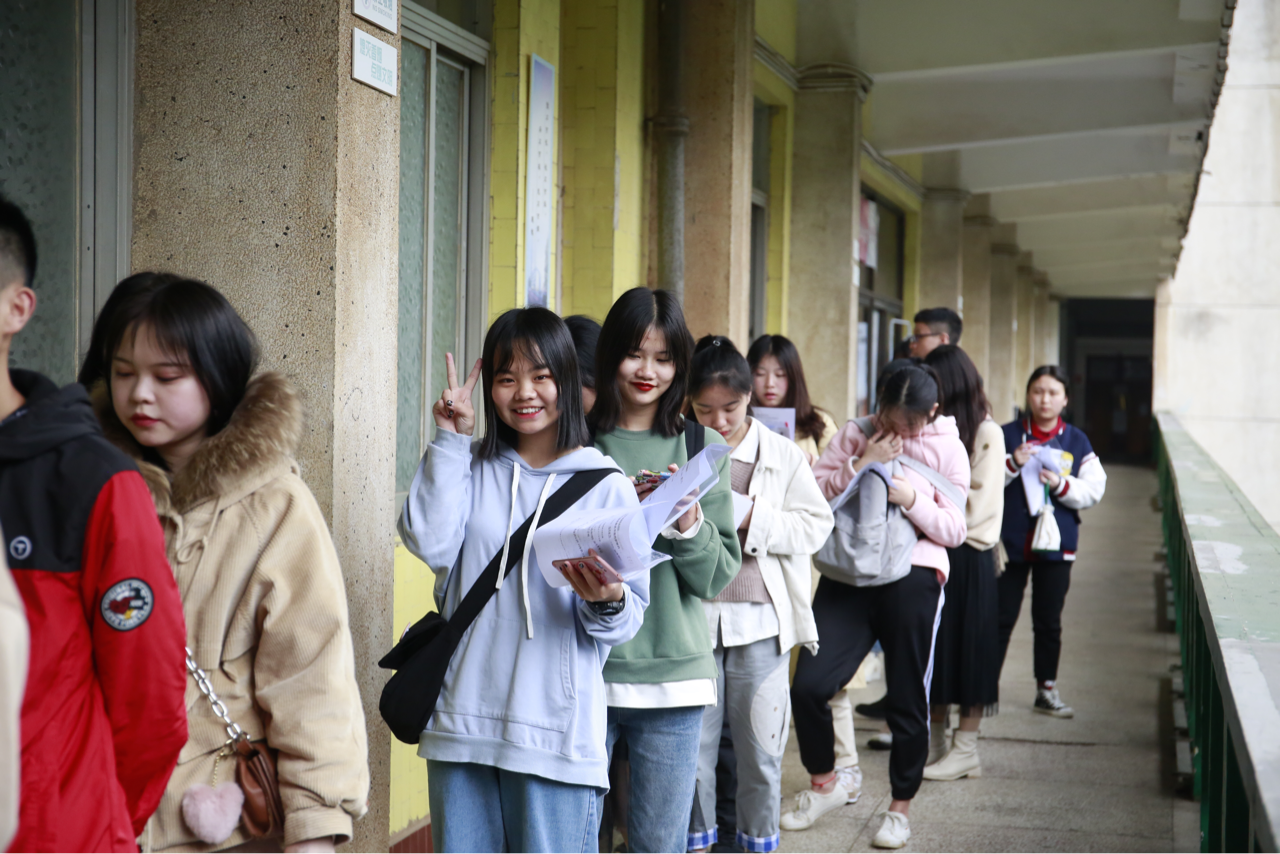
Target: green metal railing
pixel 1224 560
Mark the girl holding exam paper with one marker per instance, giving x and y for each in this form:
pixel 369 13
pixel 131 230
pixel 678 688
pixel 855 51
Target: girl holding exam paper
pixel 658 683
pixel 782 518
pixel 516 744
pixel 1048 460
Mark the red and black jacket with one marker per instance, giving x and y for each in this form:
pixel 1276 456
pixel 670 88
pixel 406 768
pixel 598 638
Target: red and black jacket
pixel 103 717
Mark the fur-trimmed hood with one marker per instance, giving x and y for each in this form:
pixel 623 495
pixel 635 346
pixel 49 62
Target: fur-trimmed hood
pixel 260 438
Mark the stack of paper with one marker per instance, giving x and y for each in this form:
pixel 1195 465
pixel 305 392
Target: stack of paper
pixel 1050 458
pixel 779 419
pixel 624 537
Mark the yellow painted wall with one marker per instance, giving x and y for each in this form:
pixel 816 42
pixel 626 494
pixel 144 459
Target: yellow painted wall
pixel 772 90
pixel 412 598
pixel 602 122
pixel 521 28
pixel 776 24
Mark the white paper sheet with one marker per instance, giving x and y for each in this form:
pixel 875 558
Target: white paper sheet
pixel 625 537
pixel 741 507
pixel 779 419
pixel 1050 458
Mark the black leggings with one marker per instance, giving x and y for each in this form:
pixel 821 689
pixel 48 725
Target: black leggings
pixel 1050 580
pixel 903 616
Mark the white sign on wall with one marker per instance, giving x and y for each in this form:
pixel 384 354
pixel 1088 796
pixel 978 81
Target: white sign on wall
pixel 539 204
pixel 373 62
pixel 381 12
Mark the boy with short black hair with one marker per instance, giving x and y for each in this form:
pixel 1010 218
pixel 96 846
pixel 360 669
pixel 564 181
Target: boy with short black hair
pixel 103 716
pixel 933 328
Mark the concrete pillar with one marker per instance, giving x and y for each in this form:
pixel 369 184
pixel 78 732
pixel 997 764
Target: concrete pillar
pixel 1040 334
pixel 286 198
pixel 825 212
pixel 1001 379
pixel 942 249
pixel 976 340
pixel 719 52
pixel 1026 327
pixel 1049 337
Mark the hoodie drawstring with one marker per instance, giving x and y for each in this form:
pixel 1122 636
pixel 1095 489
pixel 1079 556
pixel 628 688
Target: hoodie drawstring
pixel 528 547
pixel 511 520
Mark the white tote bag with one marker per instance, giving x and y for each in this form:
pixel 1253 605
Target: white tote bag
pixel 1047 537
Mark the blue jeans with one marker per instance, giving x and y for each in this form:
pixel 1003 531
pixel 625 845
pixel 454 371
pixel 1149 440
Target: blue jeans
pixel 663 744
pixel 483 808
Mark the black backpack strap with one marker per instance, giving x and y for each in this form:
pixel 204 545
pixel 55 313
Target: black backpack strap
pixel 695 439
pixel 486 585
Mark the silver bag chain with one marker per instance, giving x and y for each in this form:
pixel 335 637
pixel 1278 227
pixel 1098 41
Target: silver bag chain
pixel 234 731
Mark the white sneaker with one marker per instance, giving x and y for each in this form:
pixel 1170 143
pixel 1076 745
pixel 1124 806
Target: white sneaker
pixel 810 806
pixel 850 779
pixel 962 761
pixel 894 833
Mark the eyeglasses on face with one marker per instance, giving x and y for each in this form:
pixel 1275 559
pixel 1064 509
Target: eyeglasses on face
pixel 914 338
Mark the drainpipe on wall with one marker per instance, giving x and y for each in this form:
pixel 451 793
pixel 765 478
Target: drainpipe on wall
pixel 672 126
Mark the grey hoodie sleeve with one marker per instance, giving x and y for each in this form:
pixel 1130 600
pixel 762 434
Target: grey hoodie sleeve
pixel 612 630
pixel 433 521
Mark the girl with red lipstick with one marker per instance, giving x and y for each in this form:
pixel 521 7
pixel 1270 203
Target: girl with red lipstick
pixel 778 380
pixel 756 621
pixel 176 386
pixel 658 683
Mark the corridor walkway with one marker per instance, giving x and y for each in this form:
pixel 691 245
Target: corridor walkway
pixel 1093 783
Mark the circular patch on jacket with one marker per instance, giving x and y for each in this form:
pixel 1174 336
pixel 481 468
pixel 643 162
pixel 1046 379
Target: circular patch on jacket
pixel 127 604
pixel 20 548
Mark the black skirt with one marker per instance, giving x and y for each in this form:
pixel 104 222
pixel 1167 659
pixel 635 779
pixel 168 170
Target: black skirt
pixel 966 653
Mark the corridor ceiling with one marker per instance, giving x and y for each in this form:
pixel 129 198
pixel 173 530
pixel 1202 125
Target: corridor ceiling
pixel 1083 123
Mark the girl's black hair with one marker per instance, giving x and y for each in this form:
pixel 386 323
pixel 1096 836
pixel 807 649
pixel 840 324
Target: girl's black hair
pixel 809 422
pixel 541 338
pixel 624 329
pixel 912 389
pixel 890 368
pixel 191 321
pixel 961 390
pixel 586 335
pixel 717 362
pixel 1051 371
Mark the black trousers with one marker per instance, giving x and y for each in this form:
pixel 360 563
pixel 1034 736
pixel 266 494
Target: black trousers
pixel 903 616
pixel 1050 580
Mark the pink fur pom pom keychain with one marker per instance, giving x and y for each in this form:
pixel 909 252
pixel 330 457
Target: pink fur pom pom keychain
pixel 213 812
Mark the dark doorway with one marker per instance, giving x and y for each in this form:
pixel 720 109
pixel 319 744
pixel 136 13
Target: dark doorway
pixel 1108 353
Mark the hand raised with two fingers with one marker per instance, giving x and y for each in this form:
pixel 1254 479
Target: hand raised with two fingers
pixel 453 411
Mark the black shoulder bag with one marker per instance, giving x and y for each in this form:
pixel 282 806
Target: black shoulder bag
pixel 421 658
pixel 694 437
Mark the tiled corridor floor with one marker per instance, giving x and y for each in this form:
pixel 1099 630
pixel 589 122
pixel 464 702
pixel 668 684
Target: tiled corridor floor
pixel 1093 783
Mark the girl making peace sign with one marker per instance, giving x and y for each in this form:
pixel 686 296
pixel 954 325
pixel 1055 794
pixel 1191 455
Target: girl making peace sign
pixel 516 746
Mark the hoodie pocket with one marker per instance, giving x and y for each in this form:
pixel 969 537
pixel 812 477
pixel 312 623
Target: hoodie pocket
pixel 500 673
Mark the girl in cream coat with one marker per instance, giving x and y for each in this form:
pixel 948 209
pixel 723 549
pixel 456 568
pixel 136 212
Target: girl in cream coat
pixel 262 591
pixel 765 611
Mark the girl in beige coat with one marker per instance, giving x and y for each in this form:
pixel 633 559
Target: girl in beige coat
pixel 262 590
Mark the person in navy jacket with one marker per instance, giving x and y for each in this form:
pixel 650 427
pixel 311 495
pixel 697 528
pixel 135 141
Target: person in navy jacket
pixel 1079 484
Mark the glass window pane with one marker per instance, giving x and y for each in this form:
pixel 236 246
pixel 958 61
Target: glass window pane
pixel 889 254
pixel 446 223
pixel 39 162
pixel 410 398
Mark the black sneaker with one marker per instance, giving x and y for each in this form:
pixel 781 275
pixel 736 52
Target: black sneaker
pixel 1049 703
pixel 871 710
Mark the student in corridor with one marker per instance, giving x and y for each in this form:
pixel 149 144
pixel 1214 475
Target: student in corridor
pixel 102 717
pixel 765 611
pixel 658 683
pixel 933 328
pixel 966 672
pixel 1078 484
pixel 516 746
pixel 586 336
pixel 902 614
pixel 778 380
pixel 263 593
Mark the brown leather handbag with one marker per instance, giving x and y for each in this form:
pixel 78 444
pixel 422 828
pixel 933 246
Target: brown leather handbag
pixel 263 812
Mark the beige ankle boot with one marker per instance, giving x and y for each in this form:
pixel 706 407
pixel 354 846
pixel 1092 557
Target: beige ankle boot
pixel 937 742
pixel 961 761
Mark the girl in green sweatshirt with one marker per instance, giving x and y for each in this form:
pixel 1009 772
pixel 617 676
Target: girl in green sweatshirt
pixel 658 683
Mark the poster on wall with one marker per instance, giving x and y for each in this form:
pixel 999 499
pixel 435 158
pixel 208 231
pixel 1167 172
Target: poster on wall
pixel 540 184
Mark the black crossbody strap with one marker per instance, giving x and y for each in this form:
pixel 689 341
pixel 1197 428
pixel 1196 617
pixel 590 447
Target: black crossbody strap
pixel 486 585
pixel 694 438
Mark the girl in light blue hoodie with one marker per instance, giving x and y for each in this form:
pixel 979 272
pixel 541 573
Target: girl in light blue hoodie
pixel 515 749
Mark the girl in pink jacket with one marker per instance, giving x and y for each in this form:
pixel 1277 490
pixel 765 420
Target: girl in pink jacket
pixel 902 614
